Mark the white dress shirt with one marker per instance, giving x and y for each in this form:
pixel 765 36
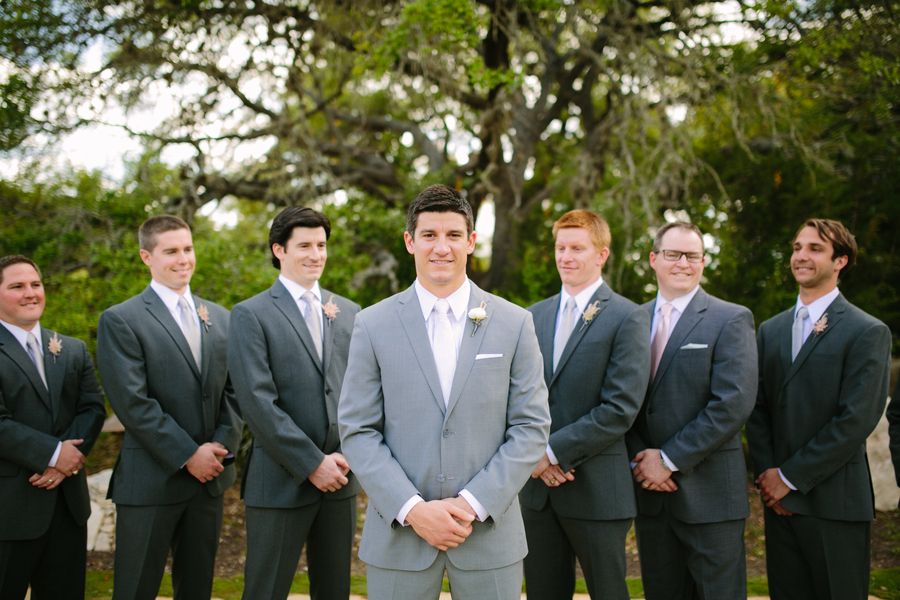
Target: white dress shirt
pixel 296 291
pixel 170 298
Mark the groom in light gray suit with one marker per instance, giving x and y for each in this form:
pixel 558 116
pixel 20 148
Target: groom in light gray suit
pixel 443 416
pixel 287 355
pixel 686 443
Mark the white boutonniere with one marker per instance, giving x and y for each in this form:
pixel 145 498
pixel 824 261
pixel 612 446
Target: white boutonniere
pixel 821 325
pixel 589 313
pixel 330 309
pixel 477 314
pixel 54 345
pixel 203 313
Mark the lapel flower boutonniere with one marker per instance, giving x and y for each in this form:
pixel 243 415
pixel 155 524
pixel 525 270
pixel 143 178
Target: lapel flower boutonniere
pixel 477 314
pixel 330 309
pixel 54 346
pixel 820 325
pixel 203 313
pixel 589 313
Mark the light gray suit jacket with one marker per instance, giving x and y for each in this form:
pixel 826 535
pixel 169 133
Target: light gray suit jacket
pixel 167 405
pixel 287 395
pixel 700 398
pixel 595 394
pixel 401 441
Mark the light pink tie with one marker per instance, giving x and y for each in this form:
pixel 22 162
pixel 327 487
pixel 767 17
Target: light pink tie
pixel 661 337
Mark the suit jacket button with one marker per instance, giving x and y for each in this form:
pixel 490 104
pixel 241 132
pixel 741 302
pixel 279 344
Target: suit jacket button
pixel 441 478
pixel 447 433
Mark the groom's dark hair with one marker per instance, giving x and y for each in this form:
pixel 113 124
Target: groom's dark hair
pixel 290 218
pixel 439 198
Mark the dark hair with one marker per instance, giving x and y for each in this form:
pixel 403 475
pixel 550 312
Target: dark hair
pixel 152 227
pixel 16 259
pixel 843 242
pixel 662 231
pixel 291 217
pixel 438 198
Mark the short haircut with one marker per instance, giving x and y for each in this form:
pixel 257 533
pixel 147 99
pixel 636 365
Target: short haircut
pixel 843 242
pixel 16 259
pixel 152 227
pixel 287 220
pixel 439 198
pixel 661 232
pixel 596 226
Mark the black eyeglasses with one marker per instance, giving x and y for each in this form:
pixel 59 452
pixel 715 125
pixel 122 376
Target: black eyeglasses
pixel 675 256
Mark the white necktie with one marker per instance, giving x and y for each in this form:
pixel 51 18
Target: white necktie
pixel 661 337
pixel 34 351
pixel 313 321
pixel 189 328
pixel 564 331
pixel 797 332
pixel 443 344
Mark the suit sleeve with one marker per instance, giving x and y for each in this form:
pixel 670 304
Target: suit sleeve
pixel 258 397
pixel 732 394
pixel 229 425
pixel 860 405
pixel 89 408
pixel 24 445
pixel 759 425
pixel 120 357
pixel 527 428
pixel 621 396
pixel 893 415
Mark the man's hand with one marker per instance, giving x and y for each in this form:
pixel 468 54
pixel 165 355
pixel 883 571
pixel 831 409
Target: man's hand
pixel 331 474
pixel 206 463
pixel 70 458
pixel 772 488
pixel 50 479
pixel 462 504
pixel 441 523
pixel 781 511
pixel 651 472
pixel 550 474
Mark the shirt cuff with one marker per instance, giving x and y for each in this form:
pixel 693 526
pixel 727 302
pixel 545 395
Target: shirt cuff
pixel 55 456
pixel 669 464
pixel 480 511
pixel 404 510
pixel 786 482
pixel 552 456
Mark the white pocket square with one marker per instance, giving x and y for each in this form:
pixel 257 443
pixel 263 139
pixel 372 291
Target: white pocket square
pixel 483 356
pixel 694 346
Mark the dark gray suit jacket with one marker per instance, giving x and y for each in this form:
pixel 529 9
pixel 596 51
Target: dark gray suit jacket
pixel 167 405
pixel 893 415
pixel 287 395
pixel 813 416
pixel 696 405
pixel 33 420
pixel 595 395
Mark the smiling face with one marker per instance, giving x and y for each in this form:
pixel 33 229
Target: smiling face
pixel 813 264
pixel 171 260
pixel 303 256
pixel 440 245
pixel 679 277
pixel 578 260
pixel 21 296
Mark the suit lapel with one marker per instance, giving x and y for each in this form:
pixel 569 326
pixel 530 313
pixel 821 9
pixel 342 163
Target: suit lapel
pixel 288 307
pixel 10 346
pixel 832 315
pixel 693 314
pixel 409 313
pixel 205 340
pixel 159 312
pixel 601 297
pixel 55 370
pixel 545 327
pixel 469 346
pixel 328 327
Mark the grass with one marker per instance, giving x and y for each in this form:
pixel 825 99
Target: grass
pixel 885 584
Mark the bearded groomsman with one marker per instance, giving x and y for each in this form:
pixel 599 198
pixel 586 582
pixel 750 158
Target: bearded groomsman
pixel 162 356
pixel 580 502
pixel 287 356
pixel 686 448
pixel 51 412
pixel 824 370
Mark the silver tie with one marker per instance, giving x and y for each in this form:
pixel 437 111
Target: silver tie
pixel 797 332
pixel 564 331
pixel 313 321
pixel 189 328
pixel 34 351
pixel 443 345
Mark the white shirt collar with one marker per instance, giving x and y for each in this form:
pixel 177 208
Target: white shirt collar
pixel 817 307
pixel 170 297
pixel 680 303
pixel 458 300
pixel 581 298
pixel 296 290
pixel 22 335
